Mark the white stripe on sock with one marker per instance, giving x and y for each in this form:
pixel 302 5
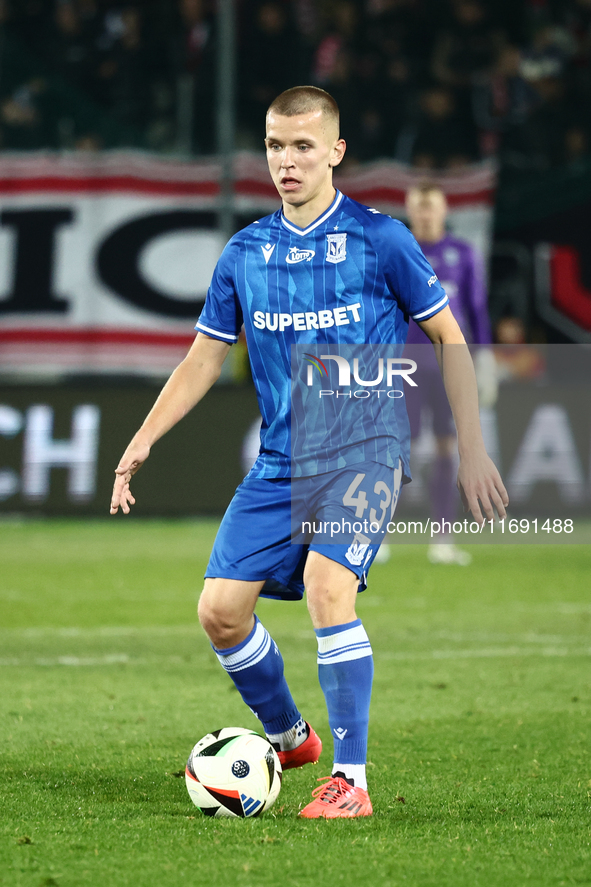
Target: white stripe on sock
pixel 343 646
pixel 255 650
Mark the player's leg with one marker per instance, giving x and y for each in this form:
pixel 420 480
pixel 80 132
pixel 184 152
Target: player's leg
pixel 226 610
pixel 348 504
pixel 246 651
pixel 254 541
pixel 345 672
pixel 345 661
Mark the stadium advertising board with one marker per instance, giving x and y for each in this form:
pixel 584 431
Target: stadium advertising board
pixel 105 259
pixel 59 445
pixel 59 448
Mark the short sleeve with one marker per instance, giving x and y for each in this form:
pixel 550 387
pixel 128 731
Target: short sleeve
pixel 221 317
pixel 408 274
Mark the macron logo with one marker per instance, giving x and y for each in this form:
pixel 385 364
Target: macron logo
pixel 268 251
pixel 340 733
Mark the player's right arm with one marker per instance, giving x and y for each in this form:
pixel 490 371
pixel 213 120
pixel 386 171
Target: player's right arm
pixel 191 380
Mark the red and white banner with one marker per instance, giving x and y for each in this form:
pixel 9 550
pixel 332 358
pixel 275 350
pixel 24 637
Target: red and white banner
pixel 105 259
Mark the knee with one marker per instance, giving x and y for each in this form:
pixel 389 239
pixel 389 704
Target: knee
pixel 216 620
pixel 327 607
pixel 320 595
pixel 222 623
pixel 329 602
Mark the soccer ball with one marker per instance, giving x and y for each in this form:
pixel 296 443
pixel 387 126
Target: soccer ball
pixel 233 772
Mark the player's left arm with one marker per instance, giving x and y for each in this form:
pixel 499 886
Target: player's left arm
pixel 479 481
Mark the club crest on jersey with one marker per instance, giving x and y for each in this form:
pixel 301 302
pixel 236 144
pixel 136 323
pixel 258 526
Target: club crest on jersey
pixel 356 552
pixel 336 248
pixel 296 255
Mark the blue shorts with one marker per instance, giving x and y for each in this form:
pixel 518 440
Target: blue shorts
pixel 271 524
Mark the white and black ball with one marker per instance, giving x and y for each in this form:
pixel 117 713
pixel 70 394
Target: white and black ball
pixel 233 772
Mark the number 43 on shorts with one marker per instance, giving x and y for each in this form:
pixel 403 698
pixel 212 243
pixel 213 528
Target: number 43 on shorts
pixel 356 497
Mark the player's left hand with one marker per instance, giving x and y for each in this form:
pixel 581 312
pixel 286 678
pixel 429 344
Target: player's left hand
pixel 481 487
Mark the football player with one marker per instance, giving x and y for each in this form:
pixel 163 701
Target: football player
pixel 321 271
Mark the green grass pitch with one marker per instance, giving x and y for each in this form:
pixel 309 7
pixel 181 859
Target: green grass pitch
pixel 480 766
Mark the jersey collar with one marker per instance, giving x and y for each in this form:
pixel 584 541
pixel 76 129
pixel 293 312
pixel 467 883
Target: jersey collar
pixel 325 215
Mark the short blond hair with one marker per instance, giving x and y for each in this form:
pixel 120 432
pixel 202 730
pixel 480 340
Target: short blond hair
pixel 303 100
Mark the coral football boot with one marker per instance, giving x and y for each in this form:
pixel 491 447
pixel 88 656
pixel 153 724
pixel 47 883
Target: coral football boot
pixel 306 753
pixel 337 799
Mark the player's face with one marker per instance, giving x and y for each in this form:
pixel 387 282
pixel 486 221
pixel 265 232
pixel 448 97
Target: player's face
pixel 301 152
pixel 426 212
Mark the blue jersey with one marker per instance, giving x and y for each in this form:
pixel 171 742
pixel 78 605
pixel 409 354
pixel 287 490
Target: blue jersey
pixel 353 276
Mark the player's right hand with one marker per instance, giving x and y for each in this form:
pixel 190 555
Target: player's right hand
pixel 132 460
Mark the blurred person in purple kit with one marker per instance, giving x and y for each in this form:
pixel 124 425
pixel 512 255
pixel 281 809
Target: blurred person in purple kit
pixel 461 273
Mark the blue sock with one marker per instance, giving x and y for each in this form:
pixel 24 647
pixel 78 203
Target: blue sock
pixel 256 667
pixel 345 671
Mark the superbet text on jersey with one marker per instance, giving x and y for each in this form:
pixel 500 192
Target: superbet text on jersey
pixel 352 276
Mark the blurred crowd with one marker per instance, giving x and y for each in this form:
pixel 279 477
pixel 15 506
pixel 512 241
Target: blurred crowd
pixel 435 83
